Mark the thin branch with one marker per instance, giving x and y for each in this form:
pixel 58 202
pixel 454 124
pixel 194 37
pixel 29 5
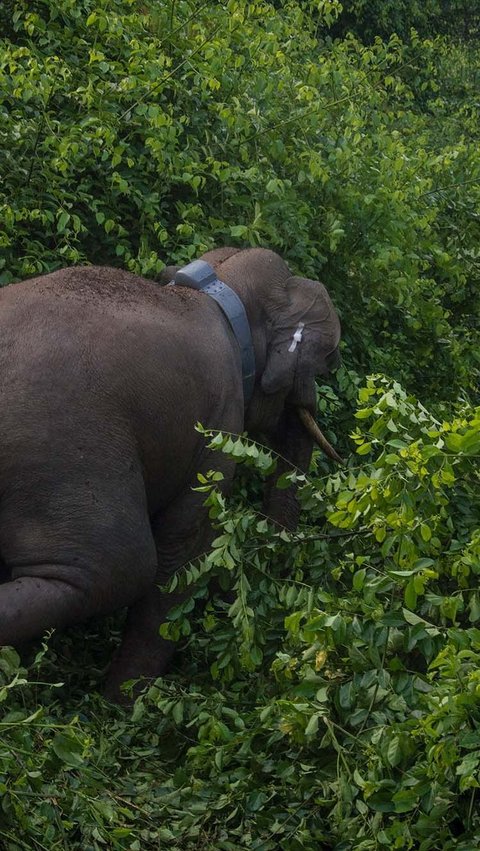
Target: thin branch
pixel 167 77
pixel 451 186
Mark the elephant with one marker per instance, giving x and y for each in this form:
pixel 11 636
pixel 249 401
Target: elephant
pixel 104 375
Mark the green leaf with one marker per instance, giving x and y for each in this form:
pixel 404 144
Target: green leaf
pixel 62 222
pixel 405 800
pixel 382 801
pixel 425 532
pixel 423 563
pixel 391 459
pixel 363 413
pixel 238 230
pixel 312 727
pixel 394 751
pixel 68 749
pixel 359 579
pixel 474 608
pixel 410 595
pixel 364 448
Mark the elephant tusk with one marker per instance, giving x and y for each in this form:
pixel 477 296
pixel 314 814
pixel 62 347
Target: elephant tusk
pixel 314 431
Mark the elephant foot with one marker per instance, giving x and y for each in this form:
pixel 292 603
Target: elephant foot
pixel 143 655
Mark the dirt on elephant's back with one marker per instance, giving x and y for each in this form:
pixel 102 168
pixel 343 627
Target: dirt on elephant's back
pixel 181 295
pixel 98 284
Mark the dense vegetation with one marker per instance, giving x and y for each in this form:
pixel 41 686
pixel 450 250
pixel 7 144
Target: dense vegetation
pixel 371 18
pixel 334 701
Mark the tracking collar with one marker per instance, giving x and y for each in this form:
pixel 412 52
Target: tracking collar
pixel 199 275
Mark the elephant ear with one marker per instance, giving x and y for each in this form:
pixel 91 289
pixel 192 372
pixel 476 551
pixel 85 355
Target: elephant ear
pixel 167 275
pixel 290 368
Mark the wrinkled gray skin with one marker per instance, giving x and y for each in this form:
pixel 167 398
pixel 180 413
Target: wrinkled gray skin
pixel 103 377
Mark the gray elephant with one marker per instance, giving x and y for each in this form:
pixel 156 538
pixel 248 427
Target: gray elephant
pixel 104 376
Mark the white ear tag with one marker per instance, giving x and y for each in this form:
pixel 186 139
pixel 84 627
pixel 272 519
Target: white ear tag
pixel 297 337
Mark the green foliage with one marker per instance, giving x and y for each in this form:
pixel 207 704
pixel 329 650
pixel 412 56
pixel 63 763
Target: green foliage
pixel 371 18
pixel 134 137
pixel 332 702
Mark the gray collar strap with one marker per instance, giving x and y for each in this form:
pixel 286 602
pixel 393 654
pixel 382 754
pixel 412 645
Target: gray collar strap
pixel 199 275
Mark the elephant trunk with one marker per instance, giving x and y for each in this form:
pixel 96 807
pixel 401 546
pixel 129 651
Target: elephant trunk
pixel 293 441
pixel 294 446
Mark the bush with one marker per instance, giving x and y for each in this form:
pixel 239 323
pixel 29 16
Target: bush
pixel 371 18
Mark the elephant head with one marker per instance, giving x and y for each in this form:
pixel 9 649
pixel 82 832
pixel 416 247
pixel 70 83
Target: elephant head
pixel 296 334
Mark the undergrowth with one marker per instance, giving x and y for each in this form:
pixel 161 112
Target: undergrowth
pixel 328 697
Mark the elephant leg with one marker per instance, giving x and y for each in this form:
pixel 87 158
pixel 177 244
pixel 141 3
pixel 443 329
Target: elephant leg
pixel 4 573
pixel 37 601
pixel 143 654
pixel 182 533
pixel 69 564
pixel 32 604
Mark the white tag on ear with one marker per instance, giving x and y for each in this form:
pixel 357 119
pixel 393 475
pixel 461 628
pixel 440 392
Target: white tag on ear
pixel 297 337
